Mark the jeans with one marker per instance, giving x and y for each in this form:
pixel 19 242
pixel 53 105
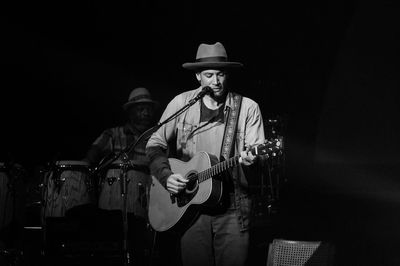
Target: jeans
pixel 217 239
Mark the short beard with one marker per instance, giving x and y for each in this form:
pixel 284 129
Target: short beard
pixel 219 98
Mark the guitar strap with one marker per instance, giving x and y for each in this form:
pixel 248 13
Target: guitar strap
pixel 230 127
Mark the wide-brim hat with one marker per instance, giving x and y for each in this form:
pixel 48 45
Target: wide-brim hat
pixel 139 95
pixel 211 56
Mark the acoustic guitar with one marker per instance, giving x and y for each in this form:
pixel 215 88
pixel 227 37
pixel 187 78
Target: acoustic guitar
pixel 172 212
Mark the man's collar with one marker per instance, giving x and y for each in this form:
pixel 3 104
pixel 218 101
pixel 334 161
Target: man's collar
pixel 229 100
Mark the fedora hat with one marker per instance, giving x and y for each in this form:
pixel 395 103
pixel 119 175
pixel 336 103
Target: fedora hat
pixel 211 56
pixel 139 95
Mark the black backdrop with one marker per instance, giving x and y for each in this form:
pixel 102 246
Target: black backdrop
pixel 330 69
pixel 68 68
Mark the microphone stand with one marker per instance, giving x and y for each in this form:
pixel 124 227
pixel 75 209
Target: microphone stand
pixel 125 159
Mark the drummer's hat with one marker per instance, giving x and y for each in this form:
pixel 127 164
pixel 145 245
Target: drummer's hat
pixel 139 95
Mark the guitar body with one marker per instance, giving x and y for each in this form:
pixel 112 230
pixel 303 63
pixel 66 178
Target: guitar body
pixel 168 211
pixel 174 212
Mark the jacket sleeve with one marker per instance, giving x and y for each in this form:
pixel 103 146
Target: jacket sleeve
pixel 159 164
pixel 157 145
pixel 254 134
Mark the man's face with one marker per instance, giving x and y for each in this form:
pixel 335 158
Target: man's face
pixel 216 80
pixel 142 114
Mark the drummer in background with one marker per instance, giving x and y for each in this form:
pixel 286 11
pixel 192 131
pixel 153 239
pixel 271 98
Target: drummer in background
pixel 140 110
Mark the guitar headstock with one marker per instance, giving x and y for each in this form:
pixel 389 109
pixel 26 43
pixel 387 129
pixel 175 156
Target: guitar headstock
pixel 269 147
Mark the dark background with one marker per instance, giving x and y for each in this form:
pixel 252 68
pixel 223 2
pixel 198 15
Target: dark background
pixel 329 68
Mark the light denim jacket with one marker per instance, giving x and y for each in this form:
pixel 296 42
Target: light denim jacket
pixel 188 130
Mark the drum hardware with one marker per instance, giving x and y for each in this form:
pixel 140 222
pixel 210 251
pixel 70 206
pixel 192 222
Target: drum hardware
pixel 90 186
pixel 111 180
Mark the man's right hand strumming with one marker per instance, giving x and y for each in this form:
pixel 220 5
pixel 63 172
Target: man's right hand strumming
pixel 176 183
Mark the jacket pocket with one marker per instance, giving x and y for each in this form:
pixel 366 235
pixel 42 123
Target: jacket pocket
pixel 184 137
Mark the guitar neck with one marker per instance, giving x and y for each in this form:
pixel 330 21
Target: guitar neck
pixel 221 167
pixel 217 169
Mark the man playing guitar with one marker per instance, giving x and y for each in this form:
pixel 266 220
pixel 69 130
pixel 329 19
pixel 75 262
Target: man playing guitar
pixel 215 141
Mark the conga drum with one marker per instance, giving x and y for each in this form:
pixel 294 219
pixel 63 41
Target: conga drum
pixel 67 184
pixel 138 186
pixel 11 193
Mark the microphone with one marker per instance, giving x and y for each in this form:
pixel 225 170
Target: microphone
pixel 202 93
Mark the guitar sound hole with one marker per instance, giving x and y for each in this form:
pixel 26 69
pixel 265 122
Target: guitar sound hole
pixel 188 194
pixel 192 185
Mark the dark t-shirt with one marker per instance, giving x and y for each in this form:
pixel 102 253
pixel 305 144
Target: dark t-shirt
pixel 206 114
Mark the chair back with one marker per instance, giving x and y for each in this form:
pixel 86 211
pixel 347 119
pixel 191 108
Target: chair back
pixel 282 252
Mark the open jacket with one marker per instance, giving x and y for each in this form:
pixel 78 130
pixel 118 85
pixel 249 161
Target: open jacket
pixel 190 136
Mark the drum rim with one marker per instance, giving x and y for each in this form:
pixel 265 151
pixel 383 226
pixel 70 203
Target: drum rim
pixel 120 162
pixel 71 163
pixel 4 166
